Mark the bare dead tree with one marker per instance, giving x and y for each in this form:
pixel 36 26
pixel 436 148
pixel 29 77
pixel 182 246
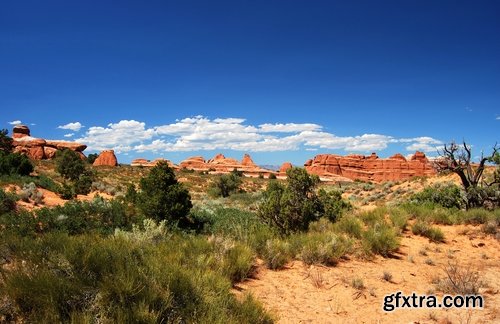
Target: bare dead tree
pixel 457 158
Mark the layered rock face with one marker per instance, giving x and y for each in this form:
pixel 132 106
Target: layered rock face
pixel 106 158
pixel 38 148
pixel 221 164
pixel 148 163
pixel 370 168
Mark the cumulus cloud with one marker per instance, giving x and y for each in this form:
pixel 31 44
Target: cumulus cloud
pixel 75 127
pixel 424 144
pixel 498 118
pixel 200 133
pixel 17 122
pixel 69 135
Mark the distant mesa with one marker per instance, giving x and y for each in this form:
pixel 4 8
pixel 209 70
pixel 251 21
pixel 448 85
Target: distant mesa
pixel 147 163
pixel 369 168
pixel 106 158
pixel 38 148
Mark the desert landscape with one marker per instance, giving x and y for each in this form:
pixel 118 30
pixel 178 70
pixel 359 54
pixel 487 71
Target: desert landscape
pixel 221 162
pixel 376 227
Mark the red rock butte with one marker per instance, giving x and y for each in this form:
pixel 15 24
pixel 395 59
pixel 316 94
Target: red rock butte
pixel 106 158
pixel 38 148
pixel 369 168
pixel 147 163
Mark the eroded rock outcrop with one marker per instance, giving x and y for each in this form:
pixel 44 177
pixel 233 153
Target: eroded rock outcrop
pixel 220 164
pixel 106 158
pixel 147 163
pixel 370 168
pixel 38 148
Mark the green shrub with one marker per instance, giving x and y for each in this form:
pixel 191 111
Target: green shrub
pixel 276 253
pixel 380 239
pixel 374 217
pixel 322 248
pixel 333 206
pixel 350 225
pixel 162 197
pixel 399 218
pixel 476 216
pixel 239 262
pixel 7 202
pixel 15 164
pixel 272 176
pixel 290 208
pixel 434 234
pixel 69 164
pixel 30 192
pixel 226 184
pixel 92 157
pixel 446 195
pixel 113 279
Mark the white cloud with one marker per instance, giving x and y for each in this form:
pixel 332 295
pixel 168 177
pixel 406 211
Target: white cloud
pixel 424 144
pixel 201 133
pixel 75 127
pixel 498 118
pixel 288 128
pixel 69 135
pixel 15 122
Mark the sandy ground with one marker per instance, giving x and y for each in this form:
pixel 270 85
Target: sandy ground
pixel 318 294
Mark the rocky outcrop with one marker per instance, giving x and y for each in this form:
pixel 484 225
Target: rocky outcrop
pixel 284 168
pixel 20 131
pixel 38 148
pixel 147 163
pixel 106 158
pixel 220 164
pixel 370 168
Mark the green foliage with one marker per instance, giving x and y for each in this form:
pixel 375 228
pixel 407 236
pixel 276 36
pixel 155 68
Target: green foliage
pixel 226 184
pixel 162 197
pixel 322 248
pixel 350 225
pixel 83 184
pixel 7 202
pixel 81 278
pixel 446 195
pixel 5 141
pixel 399 218
pixel 291 207
pixel 380 239
pixel 333 204
pixel 434 234
pixel 92 157
pixel 15 164
pixel 69 164
pixel 67 191
pixel 276 253
pixel 272 176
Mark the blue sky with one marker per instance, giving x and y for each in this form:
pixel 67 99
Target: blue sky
pixel 281 80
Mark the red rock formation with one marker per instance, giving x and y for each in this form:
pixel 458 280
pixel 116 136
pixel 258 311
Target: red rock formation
pixel 219 164
pixel 107 158
pixel 38 148
pixel 146 163
pixel 20 131
pixel 371 168
pixel 284 167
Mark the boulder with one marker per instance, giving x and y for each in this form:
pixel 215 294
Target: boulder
pixel 285 167
pixel 20 131
pixel 106 158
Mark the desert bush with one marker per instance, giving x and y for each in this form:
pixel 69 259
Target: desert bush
pixel 477 216
pixel 92 157
pixel 272 176
pixel 149 232
pixel 162 197
pixel 399 218
pixel 30 192
pixel 290 208
pixel 434 234
pixel 69 164
pixel 239 262
pixel 350 225
pixel 322 248
pixel 333 206
pixel 64 278
pixel 373 217
pixel 15 164
pixel 7 202
pixel 380 239
pixel 446 195
pixel 322 225
pixel 276 253
pixel 226 184
pixel 459 280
